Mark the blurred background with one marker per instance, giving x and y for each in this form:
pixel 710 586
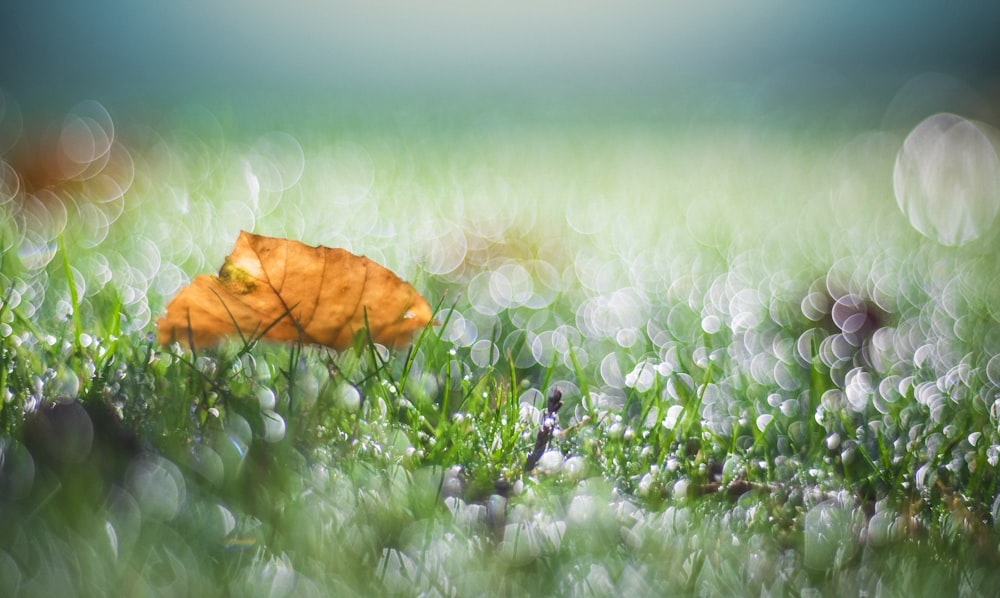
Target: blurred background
pixel 55 53
pixel 440 137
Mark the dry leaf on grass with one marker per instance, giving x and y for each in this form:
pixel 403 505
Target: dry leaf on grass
pixel 283 290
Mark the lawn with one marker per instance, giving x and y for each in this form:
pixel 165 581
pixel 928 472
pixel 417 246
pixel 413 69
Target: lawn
pixel 771 383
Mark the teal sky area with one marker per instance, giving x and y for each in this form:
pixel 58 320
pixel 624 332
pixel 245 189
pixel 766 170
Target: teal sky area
pixel 54 52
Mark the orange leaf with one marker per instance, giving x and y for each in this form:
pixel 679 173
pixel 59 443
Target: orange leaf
pixel 284 290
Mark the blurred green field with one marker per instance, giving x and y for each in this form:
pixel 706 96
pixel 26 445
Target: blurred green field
pixel 773 383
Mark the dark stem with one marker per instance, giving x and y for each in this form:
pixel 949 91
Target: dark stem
pixel 548 427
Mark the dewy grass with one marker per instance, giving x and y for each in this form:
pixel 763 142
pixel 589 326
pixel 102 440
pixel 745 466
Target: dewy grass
pixel 74 298
pixel 749 405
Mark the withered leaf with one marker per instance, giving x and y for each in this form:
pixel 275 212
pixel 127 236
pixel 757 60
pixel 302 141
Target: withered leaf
pixel 284 290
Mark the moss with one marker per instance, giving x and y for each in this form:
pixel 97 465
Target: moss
pixel 236 279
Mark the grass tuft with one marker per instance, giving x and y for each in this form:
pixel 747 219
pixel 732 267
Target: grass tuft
pixel 616 401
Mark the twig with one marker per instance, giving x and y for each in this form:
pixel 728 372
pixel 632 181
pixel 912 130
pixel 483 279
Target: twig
pixel 549 424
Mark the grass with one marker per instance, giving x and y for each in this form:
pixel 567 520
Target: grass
pixel 752 403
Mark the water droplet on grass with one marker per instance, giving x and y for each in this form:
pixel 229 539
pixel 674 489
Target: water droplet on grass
pixel 642 376
pixel 478 292
pixel 266 398
pixel 550 462
pixel 575 467
pixel 883 528
pixel 790 408
pixel 529 414
pixel 674 413
pixel 680 488
pixel 830 538
pixel 711 324
pixel 274 426
pixel 815 305
pixel 763 421
pixel 484 353
pixel 158 487
pixel 993 370
pixel 35 252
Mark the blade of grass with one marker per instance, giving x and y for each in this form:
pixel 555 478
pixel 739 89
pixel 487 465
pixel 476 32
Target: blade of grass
pixel 74 297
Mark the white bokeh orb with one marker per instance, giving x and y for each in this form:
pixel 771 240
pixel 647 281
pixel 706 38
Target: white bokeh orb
pixel 947 178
